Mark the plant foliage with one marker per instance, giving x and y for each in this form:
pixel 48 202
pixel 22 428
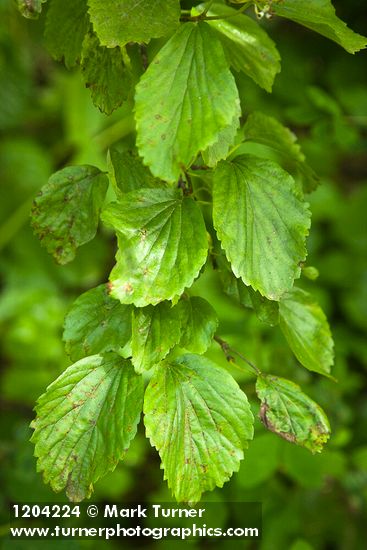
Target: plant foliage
pixel 186 195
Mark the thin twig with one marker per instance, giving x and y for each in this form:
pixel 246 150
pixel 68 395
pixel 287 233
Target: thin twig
pixel 229 352
pixel 203 14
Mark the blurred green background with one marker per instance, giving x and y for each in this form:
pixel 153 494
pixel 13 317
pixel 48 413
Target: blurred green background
pixel 46 121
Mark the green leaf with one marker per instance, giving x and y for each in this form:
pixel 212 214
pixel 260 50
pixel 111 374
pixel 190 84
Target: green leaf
pixel 226 138
pixel 307 331
pixel 162 245
pixel 247 45
pixel 85 423
pixel 66 212
pixel 200 422
pixel 30 8
pixel 67 24
pixel 105 74
pixel 199 324
pixel 184 100
pixel 128 173
pixel 261 223
pixel 156 330
pixel 290 413
pixel 268 131
pixel 267 311
pixel 319 16
pixel 118 22
pixel 96 323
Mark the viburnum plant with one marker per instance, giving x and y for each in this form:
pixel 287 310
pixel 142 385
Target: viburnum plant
pixel 188 194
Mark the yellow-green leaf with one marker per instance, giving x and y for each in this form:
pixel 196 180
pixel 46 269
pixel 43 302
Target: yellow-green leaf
pixel 85 423
pixel 291 414
pixel 184 100
pixel 261 223
pixel 156 329
pixel 199 323
pixel 307 331
pixel 162 245
pixel 200 422
pixel 96 323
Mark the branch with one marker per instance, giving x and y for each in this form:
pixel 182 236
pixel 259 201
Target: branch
pixel 229 352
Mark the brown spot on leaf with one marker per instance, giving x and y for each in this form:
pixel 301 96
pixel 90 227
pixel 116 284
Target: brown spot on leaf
pixel 262 414
pixel 287 436
pixel 143 234
pixel 128 288
pixel 270 426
